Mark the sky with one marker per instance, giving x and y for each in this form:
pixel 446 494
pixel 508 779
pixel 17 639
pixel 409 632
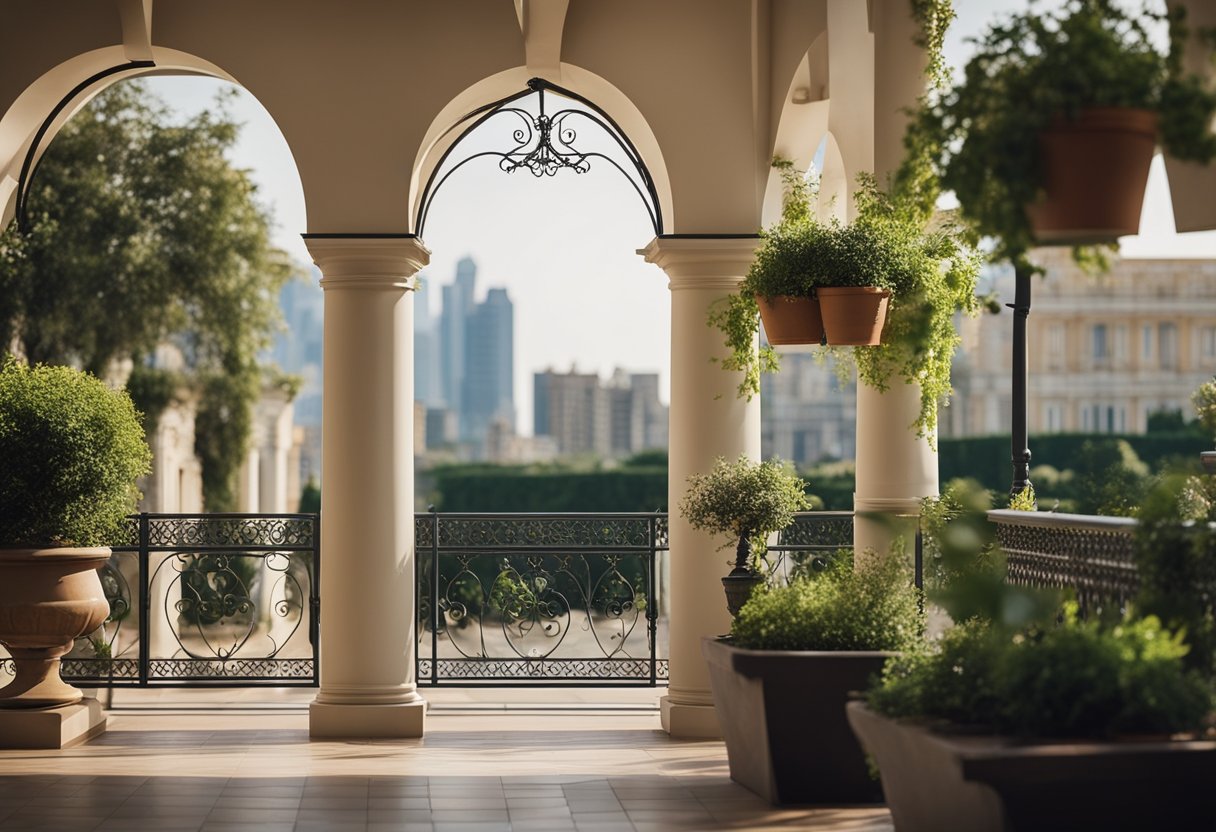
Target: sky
pixel 565 246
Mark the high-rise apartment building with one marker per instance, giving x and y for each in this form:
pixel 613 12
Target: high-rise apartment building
pixel 489 376
pixel 464 360
pixel 1104 352
pixel 584 415
pixel 427 375
pixel 458 303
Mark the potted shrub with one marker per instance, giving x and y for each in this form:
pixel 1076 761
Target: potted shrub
pixel 72 451
pixel 1205 407
pixel 781 681
pixel 1013 720
pixel 1049 136
pixel 747 501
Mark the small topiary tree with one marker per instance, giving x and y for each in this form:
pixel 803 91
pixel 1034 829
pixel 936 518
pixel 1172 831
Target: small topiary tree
pixel 72 450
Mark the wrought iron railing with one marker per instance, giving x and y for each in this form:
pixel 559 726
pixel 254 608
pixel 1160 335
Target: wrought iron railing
pixel 206 600
pixel 1091 556
pixel 559 599
pixel 564 599
pixel 550 598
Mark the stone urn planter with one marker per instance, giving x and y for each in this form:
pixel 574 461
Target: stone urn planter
pixel 947 783
pixel 783 719
pixel 48 599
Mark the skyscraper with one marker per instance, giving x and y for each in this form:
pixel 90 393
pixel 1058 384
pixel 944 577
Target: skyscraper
pixel 427 374
pixel 489 379
pixel 457 307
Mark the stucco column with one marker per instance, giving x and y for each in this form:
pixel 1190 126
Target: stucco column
pixel 707 420
pixel 367 495
pixel 895 467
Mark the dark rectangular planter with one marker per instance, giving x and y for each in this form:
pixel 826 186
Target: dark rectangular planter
pixel 783 719
pixel 942 783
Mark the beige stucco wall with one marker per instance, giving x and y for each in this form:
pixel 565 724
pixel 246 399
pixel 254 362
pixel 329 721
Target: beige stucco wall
pixel 701 86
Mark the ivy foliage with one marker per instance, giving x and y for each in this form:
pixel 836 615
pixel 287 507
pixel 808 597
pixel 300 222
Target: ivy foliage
pixel 897 240
pixel 141 232
pixel 1031 69
pixel 838 608
pixel 72 451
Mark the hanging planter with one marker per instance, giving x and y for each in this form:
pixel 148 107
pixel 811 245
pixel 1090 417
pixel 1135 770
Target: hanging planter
pixel 854 316
pixel 791 320
pixel 908 277
pixel 1047 137
pixel 1094 171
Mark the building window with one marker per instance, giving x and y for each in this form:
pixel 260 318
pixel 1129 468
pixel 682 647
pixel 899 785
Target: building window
pixel 1101 349
pixel 1167 336
pixel 1053 418
pixel 1055 346
pixel 1207 343
pixel 1120 344
pixel 1146 343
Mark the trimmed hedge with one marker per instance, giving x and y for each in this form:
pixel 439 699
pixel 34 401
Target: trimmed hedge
pixel 72 450
pixel 510 488
pixel 987 458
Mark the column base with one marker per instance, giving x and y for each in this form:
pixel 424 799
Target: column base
pixel 54 728
pixel 328 721
pixel 692 722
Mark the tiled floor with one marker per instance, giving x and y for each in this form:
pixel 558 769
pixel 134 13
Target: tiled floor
pixel 180 764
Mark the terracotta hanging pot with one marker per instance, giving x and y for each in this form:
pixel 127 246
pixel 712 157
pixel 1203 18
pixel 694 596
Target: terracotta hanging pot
pixel 790 320
pixel 48 599
pixel 853 316
pixel 1094 171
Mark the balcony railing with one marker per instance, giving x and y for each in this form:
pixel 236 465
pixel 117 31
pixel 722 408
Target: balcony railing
pixel 1091 556
pixel 234 599
pixel 206 600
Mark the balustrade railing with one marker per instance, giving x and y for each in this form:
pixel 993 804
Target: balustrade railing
pixel 206 600
pixel 502 599
pixel 1091 556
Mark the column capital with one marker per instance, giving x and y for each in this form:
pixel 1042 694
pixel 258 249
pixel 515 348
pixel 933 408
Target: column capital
pixel 703 261
pixel 353 261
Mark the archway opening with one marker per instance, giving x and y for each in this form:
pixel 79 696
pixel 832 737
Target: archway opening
pixel 558 373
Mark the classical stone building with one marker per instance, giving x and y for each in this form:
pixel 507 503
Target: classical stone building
pixel 1105 352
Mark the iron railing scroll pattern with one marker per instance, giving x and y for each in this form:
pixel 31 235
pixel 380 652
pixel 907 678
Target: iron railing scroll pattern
pixel 208 599
pixel 539 598
pixel 1092 557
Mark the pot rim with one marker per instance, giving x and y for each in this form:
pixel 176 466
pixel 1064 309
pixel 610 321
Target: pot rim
pixel 10 555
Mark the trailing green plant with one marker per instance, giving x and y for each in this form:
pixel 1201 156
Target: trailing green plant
pixel 876 608
pixel 744 499
pixel 896 240
pixel 1033 68
pixel 1176 567
pixel 72 451
pixel 1077 679
pixel 959 498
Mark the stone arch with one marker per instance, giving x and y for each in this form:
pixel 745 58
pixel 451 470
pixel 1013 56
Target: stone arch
pixel 39 113
pixel 448 126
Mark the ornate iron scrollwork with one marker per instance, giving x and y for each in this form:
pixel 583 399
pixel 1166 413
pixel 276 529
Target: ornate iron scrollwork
pixel 545 143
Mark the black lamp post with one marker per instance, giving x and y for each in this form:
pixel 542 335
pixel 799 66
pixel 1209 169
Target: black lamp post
pixel 1019 441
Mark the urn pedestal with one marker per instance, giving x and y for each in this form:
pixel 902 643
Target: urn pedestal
pixel 48 599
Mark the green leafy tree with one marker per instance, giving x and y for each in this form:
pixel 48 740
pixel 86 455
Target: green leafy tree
pixel 140 231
